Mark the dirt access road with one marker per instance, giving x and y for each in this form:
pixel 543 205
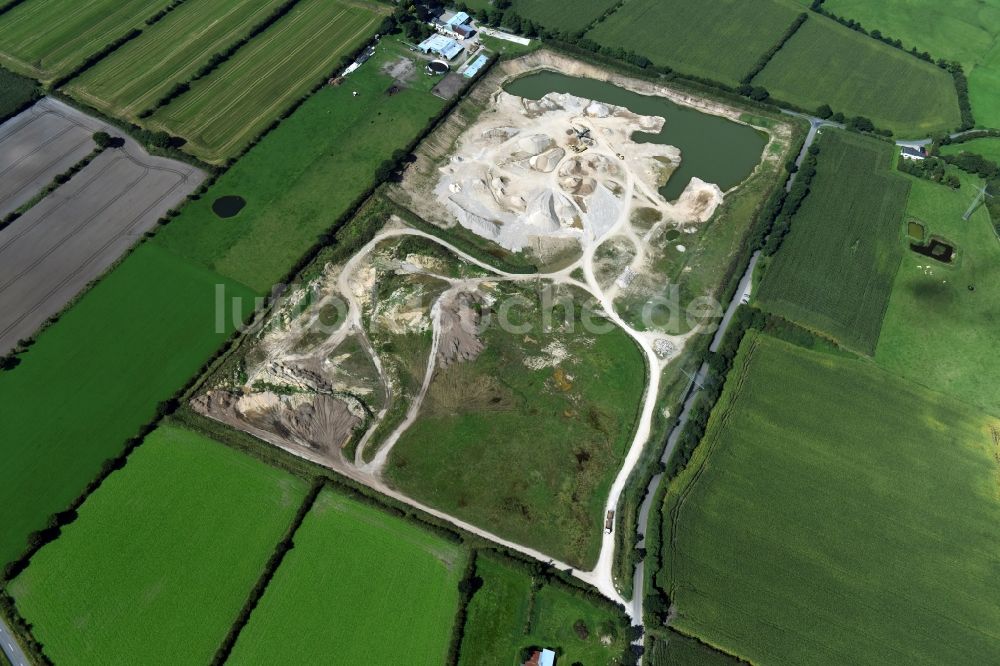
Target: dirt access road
pixel 48 255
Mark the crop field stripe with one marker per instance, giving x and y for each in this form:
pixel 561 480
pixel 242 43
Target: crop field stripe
pixel 834 271
pixel 155 62
pixel 206 114
pixel 271 67
pixel 75 29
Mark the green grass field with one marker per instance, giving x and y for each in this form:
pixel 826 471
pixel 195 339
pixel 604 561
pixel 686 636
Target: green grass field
pixel 555 16
pixel 721 40
pixel 937 332
pixel 527 450
pixel 46 39
pixel 837 514
pixel 506 615
pixel 964 30
pixel 15 92
pixel 223 112
pixel 304 175
pixel 834 271
pixel 988 147
pixel 136 76
pixel 359 584
pixel 827 63
pixel 162 556
pixel 94 378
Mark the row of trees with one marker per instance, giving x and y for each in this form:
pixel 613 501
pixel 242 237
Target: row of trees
pixel 952 67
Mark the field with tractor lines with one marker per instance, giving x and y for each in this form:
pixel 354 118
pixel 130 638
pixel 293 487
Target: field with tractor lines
pixel 719 40
pixel 835 513
pixel 45 39
pixel 226 110
pixel 834 271
pixel 133 78
pixel 827 63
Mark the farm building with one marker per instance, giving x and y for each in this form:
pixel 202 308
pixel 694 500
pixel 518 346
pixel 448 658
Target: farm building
pixel 913 153
pixel 544 657
pixel 440 45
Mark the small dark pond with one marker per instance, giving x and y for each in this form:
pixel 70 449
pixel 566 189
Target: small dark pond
pixel 228 206
pixel 935 249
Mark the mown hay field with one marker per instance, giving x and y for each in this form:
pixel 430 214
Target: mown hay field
pixel 162 556
pixel 525 440
pixel 827 63
pixel 834 271
pixel 360 584
pixel 938 331
pixel 967 31
pixel 719 40
pixel 45 39
pixel 506 615
pixel 223 112
pixel 94 377
pixel 835 513
pixel 135 77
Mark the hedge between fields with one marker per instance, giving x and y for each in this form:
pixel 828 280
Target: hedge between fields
pixel 59 179
pixel 953 68
pixel 467 587
pixel 766 57
pixel 217 59
pixel 7 6
pixel 280 550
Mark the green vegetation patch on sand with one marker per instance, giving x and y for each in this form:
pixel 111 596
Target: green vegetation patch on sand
pixel 967 31
pixel 834 513
pixel 162 556
pixel 719 40
pixel 47 39
pixel 94 377
pixel 512 612
pixel 834 271
pixel 135 77
pixel 223 112
pixel 827 63
pixel 937 331
pixel 359 584
pixel 526 439
pixel 304 175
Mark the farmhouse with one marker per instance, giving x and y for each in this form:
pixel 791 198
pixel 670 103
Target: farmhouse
pixel 909 153
pixel 544 657
pixel 440 45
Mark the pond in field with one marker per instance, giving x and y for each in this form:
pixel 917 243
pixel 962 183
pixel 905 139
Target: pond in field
pixel 228 206
pixel 935 248
pixel 714 149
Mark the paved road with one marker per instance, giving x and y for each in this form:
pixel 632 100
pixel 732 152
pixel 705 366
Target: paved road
pixel 11 647
pixel 638 580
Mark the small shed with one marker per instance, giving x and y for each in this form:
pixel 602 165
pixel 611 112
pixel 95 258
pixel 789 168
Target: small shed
pixel 547 658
